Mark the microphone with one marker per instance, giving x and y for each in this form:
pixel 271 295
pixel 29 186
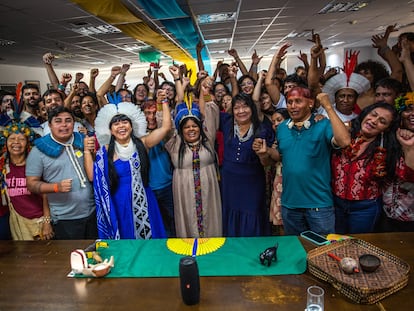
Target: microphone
pixel 189 280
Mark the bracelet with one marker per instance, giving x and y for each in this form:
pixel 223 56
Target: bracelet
pixel 56 188
pixel 177 79
pixel 46 220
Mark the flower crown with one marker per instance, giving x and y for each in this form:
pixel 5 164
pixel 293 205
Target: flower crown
pixel 402 102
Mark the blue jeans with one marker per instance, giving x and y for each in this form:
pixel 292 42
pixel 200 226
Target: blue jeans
pixel 319 220
pixel 356 216
pixel 166 204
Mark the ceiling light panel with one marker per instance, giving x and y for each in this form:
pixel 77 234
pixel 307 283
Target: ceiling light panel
pixel 96 30
pixel 216 18
pixel 335 7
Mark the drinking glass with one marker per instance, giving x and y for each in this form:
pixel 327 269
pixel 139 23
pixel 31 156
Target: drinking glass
pixel 315 299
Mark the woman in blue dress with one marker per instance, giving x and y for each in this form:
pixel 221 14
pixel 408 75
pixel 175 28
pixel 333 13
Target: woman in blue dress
pixel 242 175
pixel 126 208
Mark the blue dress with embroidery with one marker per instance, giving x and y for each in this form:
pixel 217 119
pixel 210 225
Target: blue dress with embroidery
pixel 243 183
pixel 132 211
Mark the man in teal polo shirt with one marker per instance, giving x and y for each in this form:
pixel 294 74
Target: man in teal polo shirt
pixel 304 147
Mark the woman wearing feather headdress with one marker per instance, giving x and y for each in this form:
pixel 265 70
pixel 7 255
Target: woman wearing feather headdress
pixel 125 206
pixel 196 192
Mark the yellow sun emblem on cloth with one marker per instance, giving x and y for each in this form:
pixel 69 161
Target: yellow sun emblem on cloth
pixel 203 245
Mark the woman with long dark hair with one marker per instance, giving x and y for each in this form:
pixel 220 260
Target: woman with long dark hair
pixel 243 179
pixel 126 207
pixel 360 171
pixel 197 202
pixel 398 197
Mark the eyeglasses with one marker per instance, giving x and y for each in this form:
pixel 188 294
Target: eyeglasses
pixel 126 96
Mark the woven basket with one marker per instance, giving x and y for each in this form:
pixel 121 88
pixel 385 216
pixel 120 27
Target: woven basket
pixel 362 287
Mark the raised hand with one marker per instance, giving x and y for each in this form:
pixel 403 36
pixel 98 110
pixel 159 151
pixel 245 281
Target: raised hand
pixel 89 143
pixel 324 100
pixel 303 57
pixel 255 58
pixel 206 85
pixel 233 53
pixel 78 76
pixel 116 70
pixel 94 72
pixel 66 78
pixel 202 74
pixel 405 50
pixel 125 68
pixel 390 28
pixel 48 58
pixel 233 71
pixel 262 75
pixel 283 51
pixel 175 71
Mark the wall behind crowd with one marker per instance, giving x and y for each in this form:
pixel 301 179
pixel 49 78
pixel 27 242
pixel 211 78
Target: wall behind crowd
pixel 15 74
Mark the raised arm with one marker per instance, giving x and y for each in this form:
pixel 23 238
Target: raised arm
pixel 205 94
pixel 89 155
pixel 175 72
pixel 314 71
pixel 121 78
pixel 257 92
pixel 92 78
pixel 233 74
pixel 72 93
pixel 273 89
pixel 381 43
pixel 199 48
pixel 158 134
pixel 342 137
pixel 405 59
pixel 100 94
pixel 255 63
pixel 304 58
pixel 240 64
pixel 47 61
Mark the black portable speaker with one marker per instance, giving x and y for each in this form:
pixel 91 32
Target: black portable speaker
pixel 189 280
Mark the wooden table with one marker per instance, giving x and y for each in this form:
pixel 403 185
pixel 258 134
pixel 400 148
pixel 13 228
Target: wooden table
pixel 33 277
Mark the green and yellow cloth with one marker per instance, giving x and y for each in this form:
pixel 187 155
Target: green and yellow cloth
pixel 237 257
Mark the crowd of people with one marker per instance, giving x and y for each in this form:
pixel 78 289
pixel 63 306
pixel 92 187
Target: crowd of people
pixel 239 153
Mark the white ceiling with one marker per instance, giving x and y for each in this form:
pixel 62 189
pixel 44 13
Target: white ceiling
pixel 39 26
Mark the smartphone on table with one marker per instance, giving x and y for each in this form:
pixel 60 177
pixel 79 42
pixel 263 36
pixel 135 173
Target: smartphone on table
pixel 314 237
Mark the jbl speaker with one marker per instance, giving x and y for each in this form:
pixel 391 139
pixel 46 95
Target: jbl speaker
pixel 189 280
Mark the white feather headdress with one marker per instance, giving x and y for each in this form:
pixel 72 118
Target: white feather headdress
pixel 107 112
